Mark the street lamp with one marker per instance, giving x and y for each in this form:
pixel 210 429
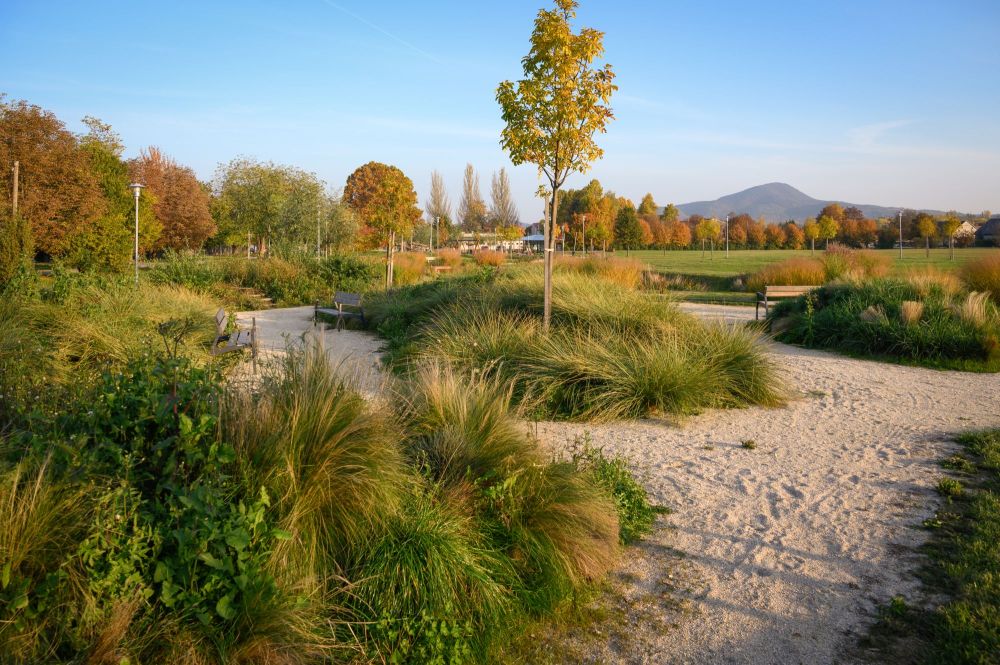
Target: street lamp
pixel 136 190
pixel 900 234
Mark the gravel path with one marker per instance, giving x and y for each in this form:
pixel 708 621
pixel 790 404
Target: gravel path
pixel 779 554
pixel 782 553
pixel 355 353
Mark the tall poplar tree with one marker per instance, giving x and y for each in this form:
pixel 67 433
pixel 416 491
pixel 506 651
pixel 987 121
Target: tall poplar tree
pixel 472 207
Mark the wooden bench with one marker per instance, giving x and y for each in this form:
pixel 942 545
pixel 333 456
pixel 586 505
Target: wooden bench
pixel 771 293
pixel 340 301
pixel 234 341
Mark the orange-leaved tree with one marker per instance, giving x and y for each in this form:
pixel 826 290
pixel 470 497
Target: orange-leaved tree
pixel 384 198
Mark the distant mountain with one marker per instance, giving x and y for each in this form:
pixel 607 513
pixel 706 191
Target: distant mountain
pixel 776 202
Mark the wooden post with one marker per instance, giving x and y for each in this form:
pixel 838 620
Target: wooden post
pixel 17 169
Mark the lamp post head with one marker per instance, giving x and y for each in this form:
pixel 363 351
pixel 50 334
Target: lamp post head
pixel 136 188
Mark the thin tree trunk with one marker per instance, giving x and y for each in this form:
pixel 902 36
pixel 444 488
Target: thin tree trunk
pixel 951 245
pixel 812 245
pixel 927 247
pixel 549 241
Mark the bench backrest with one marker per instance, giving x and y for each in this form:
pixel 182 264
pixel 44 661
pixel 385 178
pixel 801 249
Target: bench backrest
pixel 350 299
pixel 220 322
pixel 789 291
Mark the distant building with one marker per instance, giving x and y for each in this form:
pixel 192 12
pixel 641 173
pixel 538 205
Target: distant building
pixel 534 242
pixel 989 233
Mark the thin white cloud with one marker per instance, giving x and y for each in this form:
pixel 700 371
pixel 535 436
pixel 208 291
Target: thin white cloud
pixel 385 32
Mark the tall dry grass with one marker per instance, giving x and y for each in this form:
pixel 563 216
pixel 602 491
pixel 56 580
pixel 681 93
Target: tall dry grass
pixel 449 256
pixel 983 274
pixel 489 257
pixel 408 267
pixel 791 272
pixel 625 272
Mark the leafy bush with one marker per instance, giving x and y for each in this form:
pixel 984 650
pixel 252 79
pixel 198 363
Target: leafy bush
pixel 983 274
pixel 888 318
pixel 287 282
pixel 636 514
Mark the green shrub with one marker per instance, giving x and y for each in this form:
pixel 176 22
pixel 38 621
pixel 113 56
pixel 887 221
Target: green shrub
pixel 636 514
pixel 868 319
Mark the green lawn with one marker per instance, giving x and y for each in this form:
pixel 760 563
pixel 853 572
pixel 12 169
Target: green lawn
pixel 745 261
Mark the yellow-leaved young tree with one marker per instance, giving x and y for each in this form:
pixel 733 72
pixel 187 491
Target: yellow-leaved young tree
pixel 552 114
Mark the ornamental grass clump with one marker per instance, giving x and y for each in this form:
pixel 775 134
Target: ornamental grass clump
pixel 797 271
pixel 612 352
pixel 449 256
pixel 983 274
pixel 489 257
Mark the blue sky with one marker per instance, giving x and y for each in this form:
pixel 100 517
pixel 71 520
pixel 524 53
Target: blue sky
pixel 891 103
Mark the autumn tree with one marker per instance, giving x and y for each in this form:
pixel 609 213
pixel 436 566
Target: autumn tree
pixel 271 203
pixel 472 207
pixel 646 237
pixel 828 228
pixel 707 230
pixel 949 225
pixel 503 212
pixel 832 210
pixel 811 232
pixel 107 244
pixel 681 235
pixel 384 199
pixel 553 113
pixel 647 206
pixel 927 228
pixel 794 238
pixel 181 203
pixel 670 213
pixel 628 231
pixel 59 194
pixel 438 206
pixel 775 235
pixel 756 236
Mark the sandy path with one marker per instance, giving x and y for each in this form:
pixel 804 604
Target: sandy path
pixel 781 554
pixel 353 352
pixel 774 555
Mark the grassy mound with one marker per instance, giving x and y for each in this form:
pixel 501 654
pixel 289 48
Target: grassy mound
pixel 613 352
pixel 918 322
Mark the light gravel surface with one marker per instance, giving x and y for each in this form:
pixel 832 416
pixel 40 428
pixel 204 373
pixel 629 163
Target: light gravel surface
pixel 780 554
pixel 355 353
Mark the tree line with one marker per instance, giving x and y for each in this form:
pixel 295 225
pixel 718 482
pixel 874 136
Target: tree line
pixel 601 219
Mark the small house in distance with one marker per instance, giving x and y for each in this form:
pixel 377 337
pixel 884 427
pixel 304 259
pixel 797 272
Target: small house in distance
pixel 989 233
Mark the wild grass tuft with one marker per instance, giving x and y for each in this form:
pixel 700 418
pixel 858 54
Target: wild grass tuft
pixel 408 267
pixel 489 257
pixel 983 274
pixel 448 256
pixel 798 271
